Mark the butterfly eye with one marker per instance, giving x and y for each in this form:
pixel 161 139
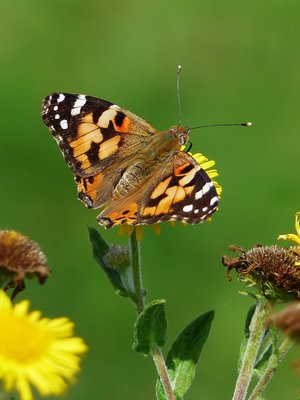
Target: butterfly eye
pixel 182 138
pixel 181 133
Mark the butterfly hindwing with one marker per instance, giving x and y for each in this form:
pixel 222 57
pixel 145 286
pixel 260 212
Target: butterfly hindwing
pixel 187 194
pixel 184 192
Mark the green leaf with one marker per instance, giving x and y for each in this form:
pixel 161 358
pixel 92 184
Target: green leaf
pixel 99 245
pixel 183 357
pixel 269 350
pixel 150 327
pixel 101 252
pixel 262 363
pixel 246 335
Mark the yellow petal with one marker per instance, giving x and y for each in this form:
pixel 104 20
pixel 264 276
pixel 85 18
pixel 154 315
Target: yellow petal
pixel 291 237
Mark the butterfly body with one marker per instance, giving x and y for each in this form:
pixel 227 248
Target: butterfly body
pixel 122 164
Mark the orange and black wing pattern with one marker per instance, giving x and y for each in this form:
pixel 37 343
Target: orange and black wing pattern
pixel 97 139
pixel 184 192
pixel 92 133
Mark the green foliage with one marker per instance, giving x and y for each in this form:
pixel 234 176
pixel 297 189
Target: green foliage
pixel 184 354
pixel 262 363
pixel 246 334
pixel 102 254
pixel 268 351
pixel 150 327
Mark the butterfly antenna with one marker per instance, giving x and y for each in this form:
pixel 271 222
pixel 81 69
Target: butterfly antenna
pixel 212 125
pixel 178 94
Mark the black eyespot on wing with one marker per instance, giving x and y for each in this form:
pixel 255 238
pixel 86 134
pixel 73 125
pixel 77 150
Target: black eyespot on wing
pixel 119 118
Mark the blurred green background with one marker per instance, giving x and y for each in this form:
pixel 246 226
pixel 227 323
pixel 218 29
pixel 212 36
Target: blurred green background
pixel 241 61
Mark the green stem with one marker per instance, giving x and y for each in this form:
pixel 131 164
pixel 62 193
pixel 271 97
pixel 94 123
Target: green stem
pixel 136 271
pixel 156 353
pixel 271 368
pixel 257 330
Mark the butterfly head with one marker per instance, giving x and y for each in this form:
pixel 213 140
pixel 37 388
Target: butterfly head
pixel 181 133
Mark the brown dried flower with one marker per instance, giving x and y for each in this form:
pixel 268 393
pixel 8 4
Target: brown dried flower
pixel 21 258
pixel 288 320
pixel 273 269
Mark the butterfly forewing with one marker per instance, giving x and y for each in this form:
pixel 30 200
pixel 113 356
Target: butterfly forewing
pixel 91 131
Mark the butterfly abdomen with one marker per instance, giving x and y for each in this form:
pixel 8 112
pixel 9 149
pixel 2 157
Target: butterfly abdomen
pixel 130 180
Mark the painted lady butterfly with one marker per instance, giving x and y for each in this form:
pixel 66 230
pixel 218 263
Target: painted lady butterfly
pixel 122 164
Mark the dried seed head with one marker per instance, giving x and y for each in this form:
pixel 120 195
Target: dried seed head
pixel 273 269
pixel 21 258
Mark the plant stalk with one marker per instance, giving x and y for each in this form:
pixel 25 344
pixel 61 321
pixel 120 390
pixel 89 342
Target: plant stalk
pixel 156 353
pixel 257 331
pixel 162 372
pixel 137 272
pixel 271 368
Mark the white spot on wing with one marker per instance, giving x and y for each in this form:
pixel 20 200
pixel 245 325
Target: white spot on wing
pixel 61 98
pixel 196 211
pixel 206 187
pixel 80 102
pixel 188 208
pixel 64 124
pixel 57 116
pixel 55 108
pixel 75 111
pixel 214 200
pixel 199 194
pixel 204 209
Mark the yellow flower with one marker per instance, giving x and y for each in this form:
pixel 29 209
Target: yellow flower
pixel 290 236
pixel 294 238
pixel 207 165
pixel 36 351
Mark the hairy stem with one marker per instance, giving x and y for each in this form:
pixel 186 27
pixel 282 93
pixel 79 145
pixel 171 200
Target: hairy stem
pixel 136 271
pixel 156 353
pixel 162 371
pixel 271 368
pixel 257 330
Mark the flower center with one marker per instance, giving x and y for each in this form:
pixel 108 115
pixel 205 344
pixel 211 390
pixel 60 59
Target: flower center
pixel 21 339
